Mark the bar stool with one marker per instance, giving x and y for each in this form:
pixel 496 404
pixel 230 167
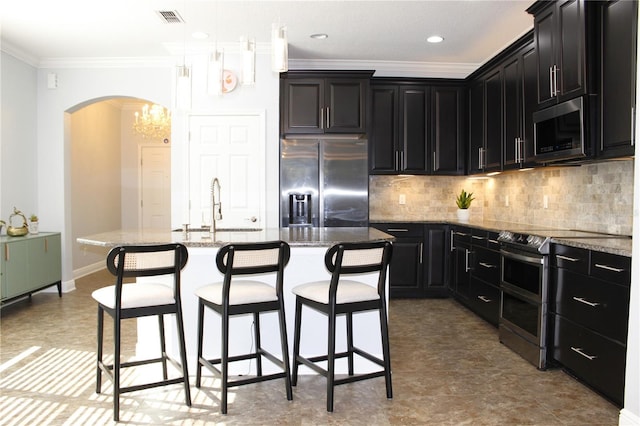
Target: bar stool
pixel 339 296
pixel 123 301
pixel 238 297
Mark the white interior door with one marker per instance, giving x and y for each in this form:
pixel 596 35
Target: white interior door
pixel 231 148
pixel 155 187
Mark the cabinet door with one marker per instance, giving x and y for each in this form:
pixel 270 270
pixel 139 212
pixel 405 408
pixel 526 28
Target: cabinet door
pixel 15 276
pixel 512 87
pixel 461 258
pixel 544 29
pixel 405 271
pixel 303 106
pixel 493 121
pixel 570 49
pixel 414 103
pixel 618 82
pixel 448 135
pixel 435 258
pixel 476 126
pixel 45 261
pixel 383 137
pixel 529 103
pixel 345 108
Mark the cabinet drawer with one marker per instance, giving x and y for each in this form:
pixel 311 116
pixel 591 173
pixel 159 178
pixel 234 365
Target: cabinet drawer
pixel 479 237
pixel 595 304
pixel 611 267
pixel 401 230
pixel 487 265
pixel 596 360
pixel 484 299
pixel 571 258
pixel 461 235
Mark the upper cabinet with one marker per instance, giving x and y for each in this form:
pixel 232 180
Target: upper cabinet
pixel 618 77
pixel 562 44
pixel 416 128
pixel 328 102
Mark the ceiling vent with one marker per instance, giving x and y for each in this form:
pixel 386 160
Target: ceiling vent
pixel 170 16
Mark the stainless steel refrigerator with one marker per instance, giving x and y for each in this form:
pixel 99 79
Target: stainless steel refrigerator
pixel 324 182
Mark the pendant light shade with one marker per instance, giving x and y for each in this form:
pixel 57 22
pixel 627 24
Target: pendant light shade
pixel 248 48
pixel 215 73
pixel 279 48
pixel 183 88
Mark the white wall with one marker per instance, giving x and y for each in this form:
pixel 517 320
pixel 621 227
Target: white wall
pixel 18 137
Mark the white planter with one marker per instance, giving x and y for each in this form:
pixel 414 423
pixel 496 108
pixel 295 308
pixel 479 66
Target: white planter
pixel 33 227
pixel 463 215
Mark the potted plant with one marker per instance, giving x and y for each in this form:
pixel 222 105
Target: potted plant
pixel 463 201
pixel 33 224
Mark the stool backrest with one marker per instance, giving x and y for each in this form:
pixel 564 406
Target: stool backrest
pixel 359 258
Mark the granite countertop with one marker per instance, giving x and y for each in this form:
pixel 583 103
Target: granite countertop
pixel 614 244
pixel 296 237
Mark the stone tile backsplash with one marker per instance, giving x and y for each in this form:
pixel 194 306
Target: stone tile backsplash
pixel 595 197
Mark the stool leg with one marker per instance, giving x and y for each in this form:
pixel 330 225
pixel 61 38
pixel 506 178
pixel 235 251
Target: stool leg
pixel 224 362
pixel 384 329
pixel 116 368
pixel 183 355
pixel 99 360
pixel 163 346
pixel 285 350
pixel 350 341
pixel 296 341
pixel 256 331
pixel 331 359
pixel 200 336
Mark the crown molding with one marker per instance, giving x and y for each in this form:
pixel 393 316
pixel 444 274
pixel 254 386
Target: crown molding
pixel 16 52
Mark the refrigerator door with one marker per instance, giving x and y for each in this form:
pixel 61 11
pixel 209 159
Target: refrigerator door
pixel 345 184
pixel 299 176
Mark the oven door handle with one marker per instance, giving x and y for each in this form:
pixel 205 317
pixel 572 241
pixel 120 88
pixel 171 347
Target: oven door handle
pixel 522 257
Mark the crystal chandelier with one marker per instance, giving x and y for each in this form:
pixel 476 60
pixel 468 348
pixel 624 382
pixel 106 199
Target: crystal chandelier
pixel 153 123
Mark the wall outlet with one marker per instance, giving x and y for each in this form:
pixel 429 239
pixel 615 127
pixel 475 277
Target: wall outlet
pixel 545 201
pixel 506 201
pixel 403 199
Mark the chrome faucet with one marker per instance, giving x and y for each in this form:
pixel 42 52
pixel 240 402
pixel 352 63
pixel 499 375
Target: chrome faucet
pixel 216 204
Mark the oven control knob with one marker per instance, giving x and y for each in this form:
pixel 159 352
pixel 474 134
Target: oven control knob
pixel 535 241
pixel 506 236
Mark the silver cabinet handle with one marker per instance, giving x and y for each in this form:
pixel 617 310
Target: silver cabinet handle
pixel 466 260
pixel 421 247
pixel 481 158
pixel 434 161
pixel 462 234
pixel 488 265
pixel 579 351
pixel 554 81
pixel 322 118
pixel 551 81
pixel 569 259
pixel 478 237
pixel 608 268
pixel 328 119
pixel 397 230
pixel 485 299
pixel 451 240
pixel 586 302
pixel 493 241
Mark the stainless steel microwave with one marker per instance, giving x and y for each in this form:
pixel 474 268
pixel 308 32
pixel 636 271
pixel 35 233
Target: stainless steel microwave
pixel 559 132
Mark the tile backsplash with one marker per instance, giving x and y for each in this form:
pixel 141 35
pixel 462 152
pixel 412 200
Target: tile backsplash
pixel 595 197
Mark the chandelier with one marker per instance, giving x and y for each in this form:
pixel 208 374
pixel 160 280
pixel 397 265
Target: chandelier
pixel 153 123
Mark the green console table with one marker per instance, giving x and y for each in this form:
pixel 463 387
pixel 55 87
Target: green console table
pixel 29 264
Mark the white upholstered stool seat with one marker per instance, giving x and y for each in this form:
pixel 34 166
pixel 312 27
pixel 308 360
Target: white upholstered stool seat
pixel 241 292
pixel 135 295
pixel 349 291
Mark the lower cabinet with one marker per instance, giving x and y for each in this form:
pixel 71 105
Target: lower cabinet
pixel 29 264
pixel 590 312
pixel 419 266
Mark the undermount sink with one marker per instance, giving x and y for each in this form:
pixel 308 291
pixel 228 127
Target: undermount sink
pixel 220 230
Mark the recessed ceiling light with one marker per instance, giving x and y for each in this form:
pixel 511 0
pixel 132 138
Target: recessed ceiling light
pixel 319 36
pixel 200 35
pixel 435 39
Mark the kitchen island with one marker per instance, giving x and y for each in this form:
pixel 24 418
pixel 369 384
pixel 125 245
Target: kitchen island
pixel 308 247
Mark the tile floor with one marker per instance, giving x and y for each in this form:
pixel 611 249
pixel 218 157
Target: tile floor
pixel 448 369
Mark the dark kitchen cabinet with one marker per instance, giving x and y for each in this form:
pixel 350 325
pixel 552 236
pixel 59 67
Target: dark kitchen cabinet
pixel 461 262
pixel 485 123
pixel 589 305
pixel 416 128
pixel 314 103
pixel 520 102
pixel 618 23
pixel 406 269
pixel 419 265
pixel 562 48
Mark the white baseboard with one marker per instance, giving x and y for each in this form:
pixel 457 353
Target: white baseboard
pixel 89 269
pixel 627 418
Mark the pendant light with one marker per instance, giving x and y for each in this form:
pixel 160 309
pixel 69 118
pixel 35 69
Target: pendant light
pixel 248 48
pixel 279 48
pixel 215 72
pixel 183 72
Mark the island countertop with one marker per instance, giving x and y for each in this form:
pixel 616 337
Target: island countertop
pixel 295 236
